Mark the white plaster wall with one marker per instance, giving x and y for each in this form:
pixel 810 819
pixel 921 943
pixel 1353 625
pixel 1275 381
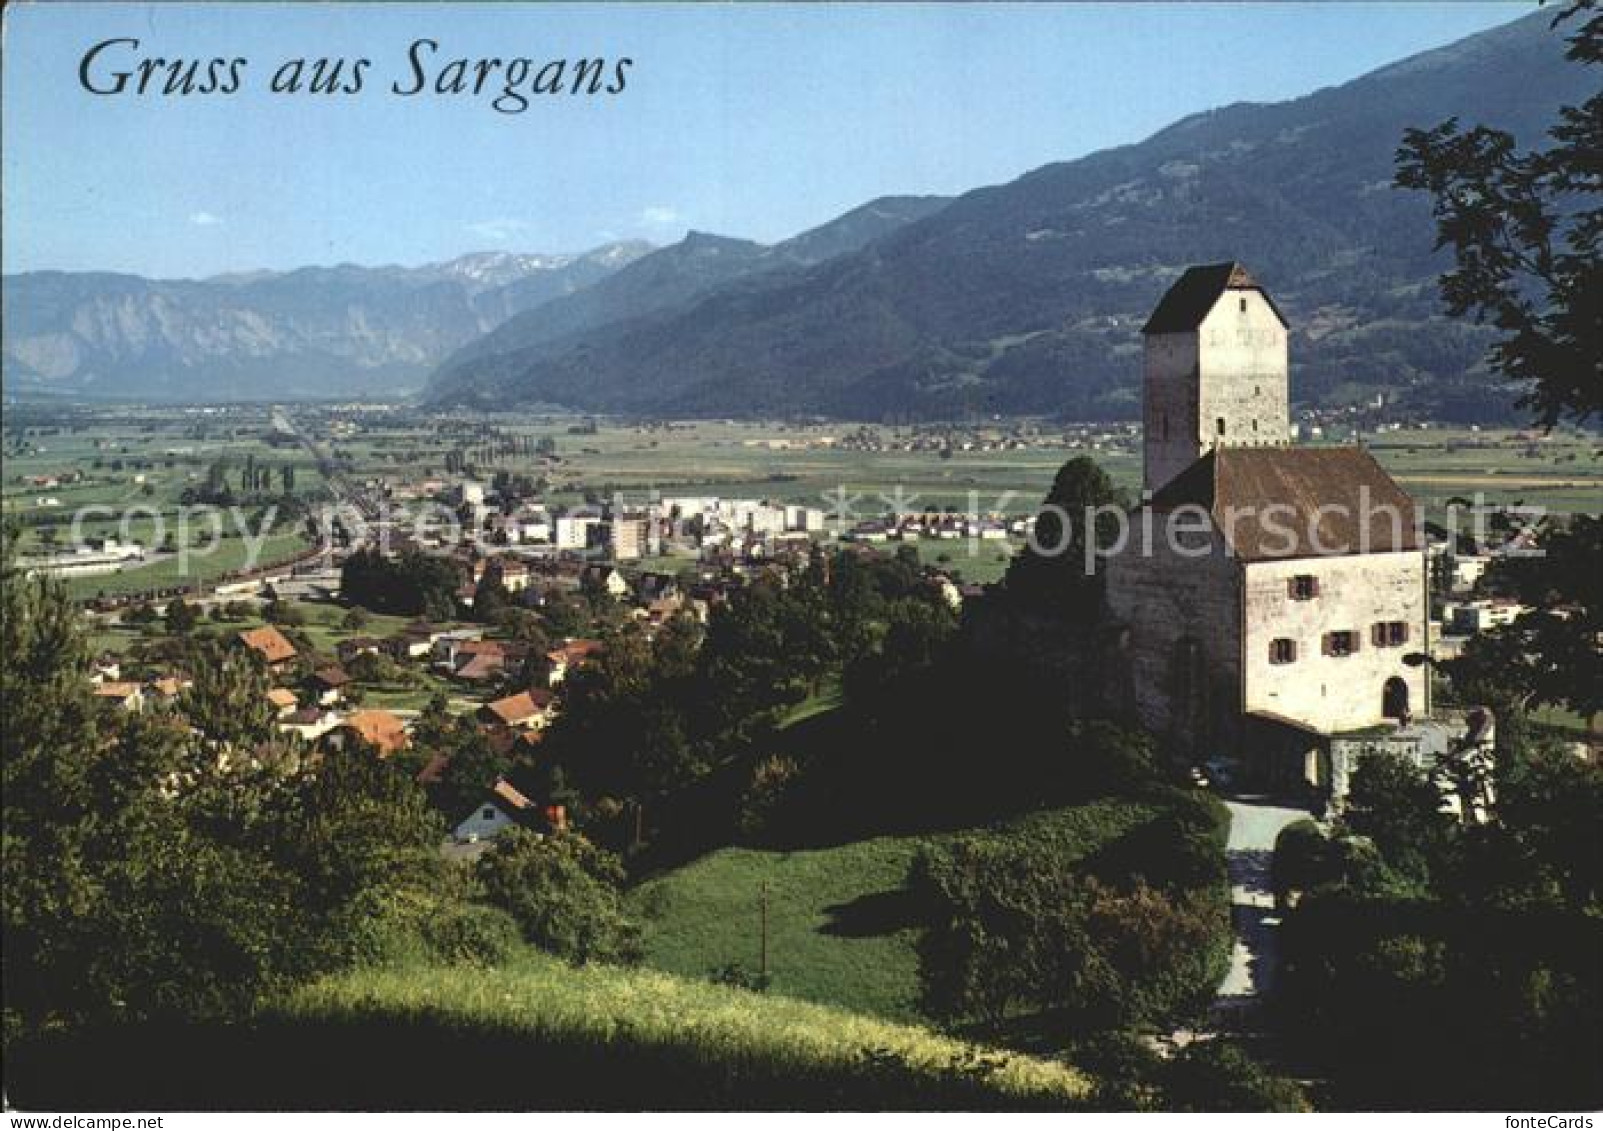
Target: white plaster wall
pixel 1334 693
pixel 1243 374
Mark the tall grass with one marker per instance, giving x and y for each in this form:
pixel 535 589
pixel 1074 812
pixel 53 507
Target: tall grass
pixel 535 1034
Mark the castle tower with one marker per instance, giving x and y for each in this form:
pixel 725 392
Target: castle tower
pixel 1215 372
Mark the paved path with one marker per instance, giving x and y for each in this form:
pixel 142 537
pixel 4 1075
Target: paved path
pixel 1254 825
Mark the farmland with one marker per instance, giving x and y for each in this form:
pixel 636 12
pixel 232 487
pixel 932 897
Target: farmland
pixel 141 463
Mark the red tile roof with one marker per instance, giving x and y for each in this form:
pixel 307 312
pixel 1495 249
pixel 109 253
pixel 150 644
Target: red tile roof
pixel 517 708
pixel 272 644
pixel 378 729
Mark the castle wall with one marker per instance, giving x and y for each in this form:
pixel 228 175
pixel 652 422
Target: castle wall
pixel 1334 693
pixel 1243 374
pixel 1182 643
pixel 1169 407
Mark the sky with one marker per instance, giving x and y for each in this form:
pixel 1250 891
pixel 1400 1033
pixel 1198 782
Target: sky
pixel 756 121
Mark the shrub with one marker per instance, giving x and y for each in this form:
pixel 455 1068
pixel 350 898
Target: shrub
pixel 1302 860
pixel 1218 1076
pixel 564 893
pixel 1018 927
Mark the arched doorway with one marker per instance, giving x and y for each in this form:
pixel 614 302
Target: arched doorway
pixel 1394 699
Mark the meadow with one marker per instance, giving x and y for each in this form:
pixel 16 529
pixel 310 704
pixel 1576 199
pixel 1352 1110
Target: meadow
pixel 532 1034
pixel 810 464
pixel 839 928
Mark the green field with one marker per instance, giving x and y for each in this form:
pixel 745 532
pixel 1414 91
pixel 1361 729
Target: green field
pixel 534 1034
pixel 137 463
pixel 839 931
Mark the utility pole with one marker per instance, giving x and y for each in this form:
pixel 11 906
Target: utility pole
pixel 762 904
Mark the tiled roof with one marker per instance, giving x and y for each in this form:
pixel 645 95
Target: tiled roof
pixel 273 645
pixel 503 791
pixel 378 729
pixel 332 676
pixel 516 708
pixel 1297 502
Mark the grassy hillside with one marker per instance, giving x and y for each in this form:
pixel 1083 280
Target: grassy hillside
pixel 839 928
pixel 535 1034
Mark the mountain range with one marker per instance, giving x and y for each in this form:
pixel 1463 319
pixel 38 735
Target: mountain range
pixel 1029 296
pixel 1022 297
pixel 304 333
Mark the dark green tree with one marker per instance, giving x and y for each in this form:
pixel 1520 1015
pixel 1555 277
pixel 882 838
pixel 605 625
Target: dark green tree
pixel 1524 228
pixel 565 893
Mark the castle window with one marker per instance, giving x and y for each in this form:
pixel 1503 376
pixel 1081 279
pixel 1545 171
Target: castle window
pixel 1243 306
pixel 1303 587
pixel 1343 643
pixel 1389 634
pixel 1282 651
pixel 1220 424
pixel 1255 426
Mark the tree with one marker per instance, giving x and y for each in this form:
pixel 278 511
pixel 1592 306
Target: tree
pixel 1524 228
pixel 565 893
pixel 181 616
pixel 282 613
pixel 1051 571
pixel 227 700
pixel 1394 804
pixel 356 619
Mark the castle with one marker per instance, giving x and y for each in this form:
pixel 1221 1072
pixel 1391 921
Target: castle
pixel 1283 608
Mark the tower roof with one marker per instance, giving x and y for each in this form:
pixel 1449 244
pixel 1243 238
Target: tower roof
pixel 1185 304
pixel 1296 502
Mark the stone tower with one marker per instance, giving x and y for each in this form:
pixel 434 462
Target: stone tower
pixel 1215 372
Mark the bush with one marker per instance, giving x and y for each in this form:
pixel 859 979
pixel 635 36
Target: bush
pixel 1218 1076
pixel 773 780
pixel 564 893
pixel 1136 934
pixel 473 933
pixel 1302 859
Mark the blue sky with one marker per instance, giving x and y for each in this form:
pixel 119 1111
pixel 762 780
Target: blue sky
pixel 755 121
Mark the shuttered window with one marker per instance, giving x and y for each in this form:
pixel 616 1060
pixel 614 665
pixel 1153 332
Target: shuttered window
pixel 1282 651
pixel 1389 634
pixel 1343 643
pixel 1303 587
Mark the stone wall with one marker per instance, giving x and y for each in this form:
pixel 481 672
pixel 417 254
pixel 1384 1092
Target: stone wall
pixel 1181 640
pixel 1233 369
pixel 1244 374
pixel 1169 429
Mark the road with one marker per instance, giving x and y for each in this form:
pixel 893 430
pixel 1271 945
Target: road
pixel 1254 825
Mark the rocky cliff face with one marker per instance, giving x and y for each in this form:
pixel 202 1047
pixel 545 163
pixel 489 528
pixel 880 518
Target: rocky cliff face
pixel 309 332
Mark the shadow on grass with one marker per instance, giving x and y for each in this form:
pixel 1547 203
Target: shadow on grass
pixel 389 1061
pixel 873 915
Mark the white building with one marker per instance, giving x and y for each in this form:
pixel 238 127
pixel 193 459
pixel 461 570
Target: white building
pixel 572 532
